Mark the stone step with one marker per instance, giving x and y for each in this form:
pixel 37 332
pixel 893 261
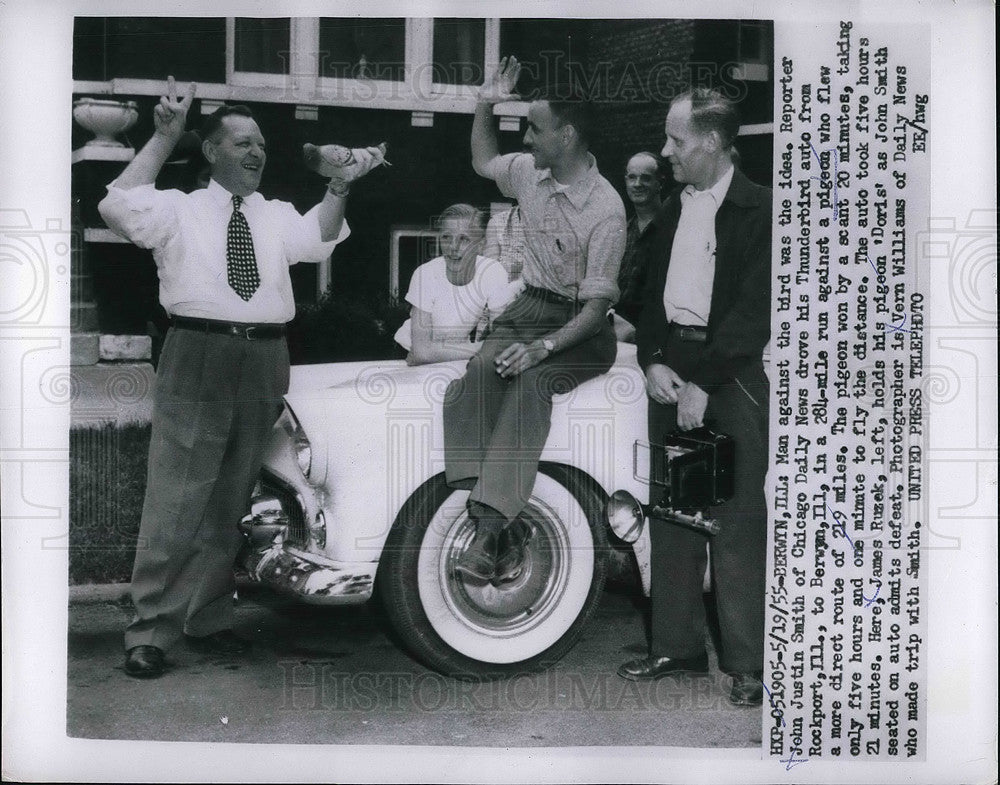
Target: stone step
pixel 84 349
pixel 126 347
pixel 83 317
pixel 116 393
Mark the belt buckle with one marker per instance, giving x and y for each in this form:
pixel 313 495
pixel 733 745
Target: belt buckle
pixel 248 332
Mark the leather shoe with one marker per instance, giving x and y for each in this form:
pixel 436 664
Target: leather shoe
pixel 513 540
pixel 479 560
pixel 221 642
pixel 653 667
pixel 144 662
pixel 748 689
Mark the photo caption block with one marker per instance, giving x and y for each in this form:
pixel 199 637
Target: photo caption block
pixel 844 672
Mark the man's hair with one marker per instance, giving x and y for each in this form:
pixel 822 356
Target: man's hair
pixel 656 158
pixel 711 111
pixel 571 107
pixel 213 123
pixel 464 212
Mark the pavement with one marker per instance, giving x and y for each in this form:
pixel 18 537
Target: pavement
pixel 336 676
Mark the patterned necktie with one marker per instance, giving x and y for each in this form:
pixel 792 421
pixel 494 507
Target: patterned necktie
pixel 241 263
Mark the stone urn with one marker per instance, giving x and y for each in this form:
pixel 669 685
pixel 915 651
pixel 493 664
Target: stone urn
pixel 105 119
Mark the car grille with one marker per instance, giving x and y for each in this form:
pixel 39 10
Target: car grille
pixel 273 486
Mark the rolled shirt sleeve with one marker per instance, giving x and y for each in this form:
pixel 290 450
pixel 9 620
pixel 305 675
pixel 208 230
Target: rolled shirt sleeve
pixel 143 215
pixel 604 256
pixel 301 235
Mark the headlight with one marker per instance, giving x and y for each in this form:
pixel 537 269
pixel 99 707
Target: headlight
pixel 300 443
pixel 626 516
pixel 303 455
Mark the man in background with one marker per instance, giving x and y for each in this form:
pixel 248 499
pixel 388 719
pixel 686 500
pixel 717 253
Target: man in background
pixel 643 184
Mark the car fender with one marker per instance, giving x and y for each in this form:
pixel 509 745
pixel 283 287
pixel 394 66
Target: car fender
pixel 376 433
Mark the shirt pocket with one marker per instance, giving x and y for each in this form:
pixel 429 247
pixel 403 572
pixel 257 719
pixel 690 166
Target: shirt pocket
pixel 564 248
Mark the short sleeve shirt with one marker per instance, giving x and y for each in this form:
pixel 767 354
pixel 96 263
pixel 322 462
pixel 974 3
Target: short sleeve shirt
pixel 574 236
pixel 456 310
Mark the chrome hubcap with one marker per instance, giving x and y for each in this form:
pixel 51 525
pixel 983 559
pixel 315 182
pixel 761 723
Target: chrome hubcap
pixel 508 608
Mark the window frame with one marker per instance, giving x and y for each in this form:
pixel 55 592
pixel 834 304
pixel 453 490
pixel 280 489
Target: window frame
pixel 304 85
pixel 258 78
pixel 491 54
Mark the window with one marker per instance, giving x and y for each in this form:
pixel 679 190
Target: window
pixel 551 51
pixel 753 52
pixel 754 43
pixel 149 47
pixel 459 49
pixel 263 45
pixel 352 48
pixel 408 64
pixel 410 247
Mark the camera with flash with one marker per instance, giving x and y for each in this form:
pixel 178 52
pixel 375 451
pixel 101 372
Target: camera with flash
pixel 693 470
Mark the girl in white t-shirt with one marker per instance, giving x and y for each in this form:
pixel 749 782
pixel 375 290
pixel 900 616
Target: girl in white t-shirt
pixel 453 297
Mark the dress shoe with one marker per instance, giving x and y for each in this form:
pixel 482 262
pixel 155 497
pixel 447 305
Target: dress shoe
pixel 221 642
pixel 144 662
pixel 511 551
pixel 653 667
pixel 748 689
pixel 479 561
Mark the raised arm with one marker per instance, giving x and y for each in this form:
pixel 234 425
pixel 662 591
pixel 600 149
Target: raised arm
pixel 497 89
pixel 331 213
pixel 343 166
pixel 169 118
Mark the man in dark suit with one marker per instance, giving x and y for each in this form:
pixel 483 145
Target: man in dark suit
pixel 705 322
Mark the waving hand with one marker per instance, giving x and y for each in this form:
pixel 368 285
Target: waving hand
pixel 500 85
pixel 170 115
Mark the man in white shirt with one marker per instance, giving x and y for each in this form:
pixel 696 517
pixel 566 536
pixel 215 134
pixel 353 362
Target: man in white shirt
pixel 222 255
pixel 704 324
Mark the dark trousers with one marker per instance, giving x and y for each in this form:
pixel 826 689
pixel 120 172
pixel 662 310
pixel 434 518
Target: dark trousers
pixel 495 428
pixel 217 398
pixel 739 550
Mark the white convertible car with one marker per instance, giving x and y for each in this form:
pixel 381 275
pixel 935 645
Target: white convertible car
pixel 352 500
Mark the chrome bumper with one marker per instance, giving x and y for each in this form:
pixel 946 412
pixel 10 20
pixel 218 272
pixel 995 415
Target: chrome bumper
pixel 269 560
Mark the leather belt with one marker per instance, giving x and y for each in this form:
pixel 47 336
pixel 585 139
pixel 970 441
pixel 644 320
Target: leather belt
pixel 246 331
pixel 547 295
pixel 689 332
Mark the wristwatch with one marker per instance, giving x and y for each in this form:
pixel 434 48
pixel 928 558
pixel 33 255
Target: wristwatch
pixel 549 345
